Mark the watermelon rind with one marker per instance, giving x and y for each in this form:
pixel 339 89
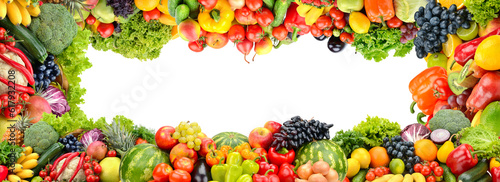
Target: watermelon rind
pixel 325 150
pixel 138 163
pixel 232 139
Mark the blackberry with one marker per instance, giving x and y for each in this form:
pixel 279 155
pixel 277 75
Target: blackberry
pixel 296 132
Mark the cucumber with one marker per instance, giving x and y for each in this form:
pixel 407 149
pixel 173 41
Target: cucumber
pixel 182 13
pixel 485 178
pixel 475 173
pixel 279 10
pixel 269 4
pixel 46 156
pixel 26 53
pixel 194 8
pixel 29 40
pixel 448 176
pixel 172 5
pixel 361 176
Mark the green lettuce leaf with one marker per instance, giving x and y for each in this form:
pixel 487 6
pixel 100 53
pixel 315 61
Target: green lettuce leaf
pixel 482 138
pixel 375 129
pixel 376 44
pixel 483 10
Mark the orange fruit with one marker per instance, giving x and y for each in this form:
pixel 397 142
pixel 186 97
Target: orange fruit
pixel 163 6
pixel 378 157
pixel 146 5
pixel 426 150
pixel 448 3
pixel 450 45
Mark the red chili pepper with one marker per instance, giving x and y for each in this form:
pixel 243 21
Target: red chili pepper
pixel 21 68
pixel 466 51
pixel 53 167
pixel 20 53
pixel 295 23
pixel 264 166
pixel 486 91
pixel 495 174
pixel 66 162
pixel 286 173
pixel 267 177
pixel 282 156
pixel 462 159
pixel 18 87
pixel 78 167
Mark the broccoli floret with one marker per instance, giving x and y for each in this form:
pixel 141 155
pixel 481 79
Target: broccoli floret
pixel 40 136
pixel 448 119
pixel 54 27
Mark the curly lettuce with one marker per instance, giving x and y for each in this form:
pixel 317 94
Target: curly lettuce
pixel 483 10
pixel 376 44
pixel 375 129
pixel 482 138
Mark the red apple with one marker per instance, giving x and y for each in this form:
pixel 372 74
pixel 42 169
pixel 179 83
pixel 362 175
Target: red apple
pixel 164 138
pixel 207 144
pixel 91 3
pixel 182 150
pixel 201 135
pixel 260 138
pixel 491 26
pixel 36 107
pixel 273 126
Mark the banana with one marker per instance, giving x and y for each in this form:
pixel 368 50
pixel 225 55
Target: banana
pixel 26 17
pixel 13 178
pixel 22 180
pixel 31 156
pixel 3 9
pixel 9 1
pixel 22 157
pixel 408 178
pixel 28 150
pixel 313 15
pixel 14 15
pixel 17 168
pixel 418 177
pixel 396 178
pixel 24 3
pixel 34 12
pixel 303 9
pixel 27 173
pixel 29 164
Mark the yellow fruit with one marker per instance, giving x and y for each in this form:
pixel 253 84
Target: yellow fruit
pixel 29 164
pixel 352 167
pixel 24 3
pixel 426 149
pixel 450 45
pixel 146 5
pixel 14 13
pixel 362 156
pixel 477 119
pixel 448 3
pixel 26 173
pixel 31 156
pixel 34 10
pixel 163 6
pixel 418 177
pixel 13 178
pixel 3 9
pixel 26 20
pixel 17 168
pixel 28 150
pixel 303 9
pixel 359 22
pixel 167 19
pixel 396 178
pixel 456 66
pixel 408 178
pixel 175 33
pixel 21 158
pixel 487 54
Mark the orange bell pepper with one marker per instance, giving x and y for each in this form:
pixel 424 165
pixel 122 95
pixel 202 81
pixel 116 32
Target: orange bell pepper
pixel 422 88
pixel 376 10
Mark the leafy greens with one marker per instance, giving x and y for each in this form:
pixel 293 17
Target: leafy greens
pixel 483 10
pixel 376 44
pixel 349 140
pixel 375 129
pixel 482 138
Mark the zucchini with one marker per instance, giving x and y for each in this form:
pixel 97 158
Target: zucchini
pixel 475 173
pixel 46 156
pixel 279 10
pixel 194 8
pixel 29 40
pixel 448 176
pixel 26 53
pixel 485 178
pixel 361 176
pixel 269 4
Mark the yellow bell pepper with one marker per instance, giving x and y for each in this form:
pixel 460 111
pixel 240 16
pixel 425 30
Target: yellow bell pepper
pixel 166 19
pixel 218 19
pixel 494 162
pixel 313 15
pixel 444 151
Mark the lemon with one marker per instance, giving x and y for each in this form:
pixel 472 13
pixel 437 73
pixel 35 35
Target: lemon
pixel 362 156
pixel 450 45
pixel 487 54
pixel 352 167
pixel 359 22
pixel 468 34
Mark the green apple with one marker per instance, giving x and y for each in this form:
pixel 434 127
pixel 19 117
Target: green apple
pixel 348 6
pixel 77 16
pixel 103 13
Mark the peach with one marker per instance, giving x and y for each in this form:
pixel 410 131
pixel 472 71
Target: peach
pixel 189 30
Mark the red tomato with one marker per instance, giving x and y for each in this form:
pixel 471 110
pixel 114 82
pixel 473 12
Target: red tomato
pixel 346 37
pixel 25 97
pixel 184 163
pixel 9 112
pixel 4 171
pixel 86 159
pixel 86 166
pixel 438 171
pixel 236 4
pixel 264 17
pixel 88 172
pixel 42 174
pixel 2 33
pixel 328 33
pixel 208 4
pixel 162 172
pixel 315 31
pixel 140 141
pixel 254 33
pixel 426 170
pixel 417 167
pixel 379 172
pixel 111 153
pixel 97 169
pixel 203 33
pixel 346 180
pixel 336 14
pixel 370 176
pixel 254 5
pixel 236 33
pixel 386 170
pixel 90 19
pixel 340 24
pixel 97 178
pixel 371 170
pixel 91 178
pixel 324 22
pixel 151 15
pixel 245 16
pixel 196 46
pixel 280 32
pixel 11 41
pixel 179 175
pixel 105 29
pixel 3 49
pixel 47 178
pixel 53 174
pixel 433 165
pixel 216 40
pixel 394 22
pixel 431 179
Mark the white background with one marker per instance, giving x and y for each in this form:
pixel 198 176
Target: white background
pixel 221 92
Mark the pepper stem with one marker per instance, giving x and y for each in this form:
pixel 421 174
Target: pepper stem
pixel 220 161
pixel 283 150
pixel 476 152
pixel 267 172
pixel 295 32
pixel 265 158
pixel 215 14
pixel 279 45
pixel 412 107
pixel 497 159
pixel 383 22
pixel 419 118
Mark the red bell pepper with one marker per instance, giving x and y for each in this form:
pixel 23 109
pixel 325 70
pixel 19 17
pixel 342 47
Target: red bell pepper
pixel 286 173
pixel 486 91
pixel 422 88
pixel 495 174
pixel 264 166
pixel 282 156
pixel 245 16
pixel 262 153
pixel 466 51
pixel 295 23
pixel 266 177
pixel 462 159
pixel 441 88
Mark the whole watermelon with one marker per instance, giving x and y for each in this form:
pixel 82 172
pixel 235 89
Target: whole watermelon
pixel 139 162
pixel 232 139
pixel 326 150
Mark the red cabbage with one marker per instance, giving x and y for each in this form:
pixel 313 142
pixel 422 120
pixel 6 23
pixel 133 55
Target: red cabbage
pixel 56 99
pixel 415 132
pixel 91 136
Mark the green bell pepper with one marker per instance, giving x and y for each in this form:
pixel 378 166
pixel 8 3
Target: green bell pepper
pixel 233 173
pixel 245 178
pixel 234 158
pixel 250 166
pixel 219 171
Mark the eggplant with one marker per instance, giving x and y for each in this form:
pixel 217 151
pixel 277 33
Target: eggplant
pixel 321 38
pixel 201 171
pixel 335 45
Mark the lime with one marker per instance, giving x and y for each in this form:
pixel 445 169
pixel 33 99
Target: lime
pixel 470 33
pixel 437 59
pixel 397 166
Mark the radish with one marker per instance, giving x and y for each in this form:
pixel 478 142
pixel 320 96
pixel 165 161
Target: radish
pixel 36 107
pixel 245 47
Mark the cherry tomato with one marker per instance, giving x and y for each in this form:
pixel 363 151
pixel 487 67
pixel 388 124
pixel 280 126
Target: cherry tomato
pixel 370 176
pixel 394 22
pixel 245 16
pixel 184 163
pixel 328 33
pixel 19 107
pixel 151 15
pixel 86 159
pixel 88 172
pixel 86 166
pixel 426 170
pixel 97 169
pixel 179 175
pixel 3 49
pixel 196 46
pixel 315 31
pixel 346 37
pixel 431 179
pixel 10 112
pixel 264 17
pixel 94 163
pixel 2 33
pixel 105 29
pixel 379 172
pixel 90 178
pixel 5 100
pixel 254 33
pixel 433 165
pixel 112 153
pixel 48 166
pixel 417 167
pixel 47 178
pixel 11 41
pixel 346 180
pixel 236 33
pixel 53 174
pixel 90 20
pixel 386 170
pixel 371 170
pixel 208 4
pixel 162 172
pixel 336 14
pixel 340 24
pixel 25 97
pixel 203 33
pixel 254 5
pixel 438 171
pixel 42 174
pixel 324 22
pixel 97 179
pixel 280 32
